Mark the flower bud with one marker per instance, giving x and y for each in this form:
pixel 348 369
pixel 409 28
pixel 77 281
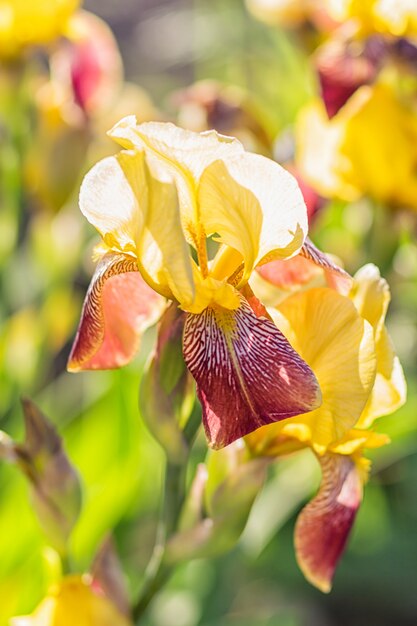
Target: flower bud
pixel 166 393
pixel 55 486
pixel 219 504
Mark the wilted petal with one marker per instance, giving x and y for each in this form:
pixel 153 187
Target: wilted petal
pixel 323 526
pixel 118 308
pixel 342 70
pixel 247 374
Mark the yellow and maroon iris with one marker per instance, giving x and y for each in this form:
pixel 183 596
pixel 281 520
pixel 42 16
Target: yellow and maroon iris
pixel 156 204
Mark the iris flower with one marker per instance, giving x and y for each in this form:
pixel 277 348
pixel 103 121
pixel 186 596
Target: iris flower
pixel 156 204
pixel 344 339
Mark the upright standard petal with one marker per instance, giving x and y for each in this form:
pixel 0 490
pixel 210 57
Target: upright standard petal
pixel 327 331
pixel 263 213
pixel 247 373
pixel 323 526
pixel 114 199
pixel 137 213
pixel 183 153
pixel 118 307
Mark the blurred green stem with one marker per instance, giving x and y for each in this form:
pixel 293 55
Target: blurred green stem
pixel 158 572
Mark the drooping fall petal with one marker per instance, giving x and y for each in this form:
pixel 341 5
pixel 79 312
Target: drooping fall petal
pixel 118 308
pixel 247 374
pixel 323 526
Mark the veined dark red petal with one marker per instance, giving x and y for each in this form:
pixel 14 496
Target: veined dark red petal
pixel 118 307
pixel 247 373
pixel 323 526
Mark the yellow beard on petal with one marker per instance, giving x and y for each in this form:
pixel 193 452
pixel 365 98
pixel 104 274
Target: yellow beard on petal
pixel 212 292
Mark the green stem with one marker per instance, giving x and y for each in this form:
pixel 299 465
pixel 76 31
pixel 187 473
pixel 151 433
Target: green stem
pixel 158 571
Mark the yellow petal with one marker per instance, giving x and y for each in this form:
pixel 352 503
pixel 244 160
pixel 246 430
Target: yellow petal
pixel 28 23
pixel 356 440
pixel 114 199
pixel 138 214
pixel 183 153
pixel 72 602
pixel 371 296
pixel 315 132
pixel 369 152
pixel 390 389
pixel 326 330
pixel 162 251
pixel 255 206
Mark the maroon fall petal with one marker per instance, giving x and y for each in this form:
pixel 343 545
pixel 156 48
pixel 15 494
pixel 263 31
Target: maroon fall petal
pixel 247 373
pixel 118 308
pixel 323 526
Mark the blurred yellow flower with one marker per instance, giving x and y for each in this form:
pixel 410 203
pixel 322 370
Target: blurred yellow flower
pixel 368 147
pixel 394 17
pixel 74 601
pixel 25 23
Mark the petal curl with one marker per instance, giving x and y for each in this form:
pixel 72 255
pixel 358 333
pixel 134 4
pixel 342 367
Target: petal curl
pixel 118 308
pixel 323 526
pixel 370 294
pixel 247 373
pixel 304 268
